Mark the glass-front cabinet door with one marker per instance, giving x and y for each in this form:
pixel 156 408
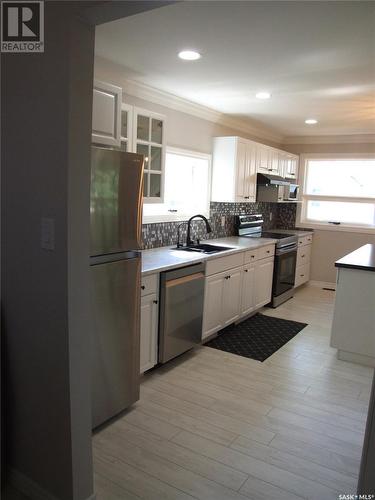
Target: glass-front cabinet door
pixel 126 128
pixel 149 140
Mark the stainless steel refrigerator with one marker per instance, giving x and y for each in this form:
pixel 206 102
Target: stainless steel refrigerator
pixel 115 264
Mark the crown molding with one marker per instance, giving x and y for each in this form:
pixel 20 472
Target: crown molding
pixel 330 139
pixel 107 70
pixel 148 93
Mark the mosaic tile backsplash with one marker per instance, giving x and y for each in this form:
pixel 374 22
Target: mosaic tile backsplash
pixel 275 215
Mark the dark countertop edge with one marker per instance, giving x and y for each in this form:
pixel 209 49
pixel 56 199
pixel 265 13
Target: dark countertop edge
pixel 362 259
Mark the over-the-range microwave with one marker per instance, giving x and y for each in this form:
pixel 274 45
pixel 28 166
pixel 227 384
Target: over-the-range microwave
pixel 291 192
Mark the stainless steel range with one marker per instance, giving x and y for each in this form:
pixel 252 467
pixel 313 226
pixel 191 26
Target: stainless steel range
pixel 251 226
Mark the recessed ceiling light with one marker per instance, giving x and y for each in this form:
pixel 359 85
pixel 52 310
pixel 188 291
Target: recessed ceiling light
pixel 189 55
pixel 262 95
pixel 311 121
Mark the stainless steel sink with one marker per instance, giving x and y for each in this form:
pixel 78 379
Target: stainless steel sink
pixel 204 248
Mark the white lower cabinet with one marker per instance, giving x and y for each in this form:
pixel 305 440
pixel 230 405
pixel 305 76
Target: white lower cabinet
pixel 221 300
pixel 263 282
pixel 236 292
pixel 247 290
pixel 213 303
pixel 302 275
pixel 303 260
pixel 149 332
pixel 149 322
pixel 232 296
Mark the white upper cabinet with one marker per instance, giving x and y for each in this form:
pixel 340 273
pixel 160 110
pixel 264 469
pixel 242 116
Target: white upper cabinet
pixel 276 162
pixel 291 166
pixel 106 114
pixel 234 170
pixel 126 128
pixel 263 159
pixel 236 162
pixel 149 140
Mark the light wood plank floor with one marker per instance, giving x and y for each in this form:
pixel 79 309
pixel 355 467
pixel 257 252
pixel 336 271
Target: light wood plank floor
pixel 211 425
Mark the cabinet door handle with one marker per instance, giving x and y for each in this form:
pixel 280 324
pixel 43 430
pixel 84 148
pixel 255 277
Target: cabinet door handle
pixel 301 275
pixel 252 256
pixel 143 287
pixel 302 256
pixel 155 301
pixel 268 251
pixel 246 270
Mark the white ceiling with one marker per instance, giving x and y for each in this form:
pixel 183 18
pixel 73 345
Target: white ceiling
pixel 316 58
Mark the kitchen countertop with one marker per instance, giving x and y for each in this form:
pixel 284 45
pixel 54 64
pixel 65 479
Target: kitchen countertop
pixel 161 259
pixel 363 259
pixel 297 232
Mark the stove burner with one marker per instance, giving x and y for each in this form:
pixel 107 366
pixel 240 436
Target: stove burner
pixel 276 236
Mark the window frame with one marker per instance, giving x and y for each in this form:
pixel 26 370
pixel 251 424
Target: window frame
pixel 303 221
pixel 173 217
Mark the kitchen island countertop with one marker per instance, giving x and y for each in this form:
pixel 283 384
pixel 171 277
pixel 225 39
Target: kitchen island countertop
pixel 363 258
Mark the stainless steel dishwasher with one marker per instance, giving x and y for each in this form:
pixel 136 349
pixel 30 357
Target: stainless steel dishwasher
pixel 181 310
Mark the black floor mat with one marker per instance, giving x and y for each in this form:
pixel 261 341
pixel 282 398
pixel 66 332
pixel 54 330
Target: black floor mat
pixel 257 337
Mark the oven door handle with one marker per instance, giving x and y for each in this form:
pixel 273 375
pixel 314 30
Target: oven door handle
pixel 288 248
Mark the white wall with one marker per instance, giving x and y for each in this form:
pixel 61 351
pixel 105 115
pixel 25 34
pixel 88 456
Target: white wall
pixel 46 136
pixel 183 130
pixel 330 246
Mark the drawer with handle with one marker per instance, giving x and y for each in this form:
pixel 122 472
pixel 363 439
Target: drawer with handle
pixel 220 264
pixel 305 240
pixel 303 255
pixel 251 256
pixel 302 274
pixel 149 284
pixel 265 252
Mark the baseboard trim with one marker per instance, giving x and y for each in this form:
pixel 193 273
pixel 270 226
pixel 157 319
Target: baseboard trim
pixel 322 284
pixel 353 357
pixel 30 488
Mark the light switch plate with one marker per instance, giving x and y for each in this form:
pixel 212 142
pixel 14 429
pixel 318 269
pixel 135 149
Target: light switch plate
pixel 47 233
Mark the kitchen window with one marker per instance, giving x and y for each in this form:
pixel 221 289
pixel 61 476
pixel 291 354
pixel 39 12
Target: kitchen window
pixel 338 192
pixel 186 187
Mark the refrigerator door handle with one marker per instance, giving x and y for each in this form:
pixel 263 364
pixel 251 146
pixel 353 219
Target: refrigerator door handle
pixel 114 257
pixel 131 200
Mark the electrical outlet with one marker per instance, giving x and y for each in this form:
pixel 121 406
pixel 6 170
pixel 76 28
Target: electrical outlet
pixel 223 221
